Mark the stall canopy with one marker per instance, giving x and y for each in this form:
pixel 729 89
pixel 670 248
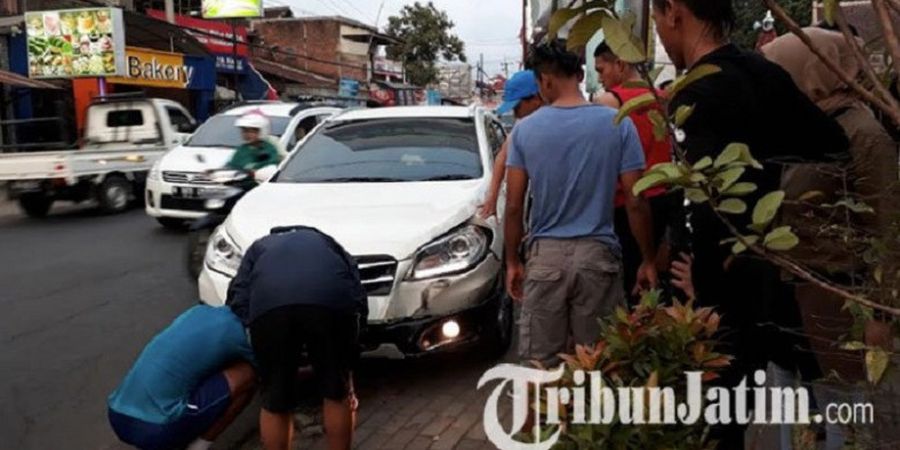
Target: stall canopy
pixel 14 79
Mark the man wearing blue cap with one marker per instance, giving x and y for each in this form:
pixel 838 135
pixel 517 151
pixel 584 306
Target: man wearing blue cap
pixel 521 96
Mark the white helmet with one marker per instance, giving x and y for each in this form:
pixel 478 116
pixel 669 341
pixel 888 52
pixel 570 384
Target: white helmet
pixel 254 119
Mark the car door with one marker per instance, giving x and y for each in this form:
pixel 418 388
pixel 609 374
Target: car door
pixel 308 121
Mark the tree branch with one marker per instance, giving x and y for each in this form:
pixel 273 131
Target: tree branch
pixel 859 55
pixel 778 11
pixel 887 27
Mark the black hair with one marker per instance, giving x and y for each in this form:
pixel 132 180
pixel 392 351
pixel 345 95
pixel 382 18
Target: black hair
pixel 718 13
pixel 553 57
pixel 602 50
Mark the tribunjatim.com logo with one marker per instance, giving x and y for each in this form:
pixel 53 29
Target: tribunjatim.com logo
pixel 592 402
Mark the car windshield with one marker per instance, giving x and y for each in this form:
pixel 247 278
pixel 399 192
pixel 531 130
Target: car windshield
pixel 385 150
pixel 219 131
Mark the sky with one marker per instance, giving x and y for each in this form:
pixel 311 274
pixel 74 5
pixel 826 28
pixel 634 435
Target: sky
pixel 488 27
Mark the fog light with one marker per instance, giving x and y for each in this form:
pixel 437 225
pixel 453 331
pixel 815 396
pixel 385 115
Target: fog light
pixel 214 203
pixel 450 329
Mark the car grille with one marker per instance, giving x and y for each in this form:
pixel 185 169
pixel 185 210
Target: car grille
pixel 186 177
pixel 182 204
pixel 377 273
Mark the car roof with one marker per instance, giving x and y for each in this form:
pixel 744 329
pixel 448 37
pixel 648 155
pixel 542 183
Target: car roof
pixel 407 111
pixel 283 109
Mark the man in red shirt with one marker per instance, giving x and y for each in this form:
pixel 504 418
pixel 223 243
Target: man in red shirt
pixel 615 74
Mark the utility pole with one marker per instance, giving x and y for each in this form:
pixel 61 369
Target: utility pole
pixel 480 78
pixel 505 64
pixel 524 34
pixel 170 11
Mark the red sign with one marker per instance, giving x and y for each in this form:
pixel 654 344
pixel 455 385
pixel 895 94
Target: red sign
pixel 215 35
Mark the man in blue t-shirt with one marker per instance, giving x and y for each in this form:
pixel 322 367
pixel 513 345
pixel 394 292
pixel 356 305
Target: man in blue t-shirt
pixel 187 385
pixel 572 154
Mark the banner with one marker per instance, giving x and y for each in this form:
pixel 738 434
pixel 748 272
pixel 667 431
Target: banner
pixel 231 9
pixel 71 43
pixel 145 67
pixel 215 36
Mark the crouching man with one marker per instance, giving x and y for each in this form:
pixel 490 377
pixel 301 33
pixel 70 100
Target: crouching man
pixel 298 290
pixel 187 385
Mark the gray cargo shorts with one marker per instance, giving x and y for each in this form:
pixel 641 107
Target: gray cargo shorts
pixel 569 285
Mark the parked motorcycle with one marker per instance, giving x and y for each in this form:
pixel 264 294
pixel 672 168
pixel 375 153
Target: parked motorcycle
pixel 218 203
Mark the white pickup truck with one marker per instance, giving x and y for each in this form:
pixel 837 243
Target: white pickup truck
pixel 123 138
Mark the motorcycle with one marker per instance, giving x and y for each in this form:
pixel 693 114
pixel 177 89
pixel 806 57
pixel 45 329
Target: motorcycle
pixel 218 203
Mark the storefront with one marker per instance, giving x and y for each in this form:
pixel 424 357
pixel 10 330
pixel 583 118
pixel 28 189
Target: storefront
pixel 189 80
pixel 228 45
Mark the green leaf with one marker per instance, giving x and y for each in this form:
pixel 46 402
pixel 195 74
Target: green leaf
pixel 695 195
pixel 560 18
pixel 704 162
pixel 876 363
pixel 660 128
pixel 671 170
pixel 781 239
pixel 809 195
pixel 683 114
pixel 695 74
pixel 739 246
pixel 584 29
pixel 636 84
pixel 767 207
pixel 697 177
pixel 729 177
pixel 731 153
pixel 732 206
pixel 855 206
pixel 830 8
pixel 621 41
pixel 742 188
pixel 747 157
pixel 654 74
pixel 641 101
pixel 648 181
pixel 854 346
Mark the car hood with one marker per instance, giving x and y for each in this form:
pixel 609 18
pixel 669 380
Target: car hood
pixel 366 218
pixel 195 159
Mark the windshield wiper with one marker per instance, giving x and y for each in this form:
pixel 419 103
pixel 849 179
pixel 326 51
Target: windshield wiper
pixel 357 180
pixel 450 177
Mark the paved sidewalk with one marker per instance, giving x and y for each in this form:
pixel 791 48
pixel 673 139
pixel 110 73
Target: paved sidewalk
pixel 421 404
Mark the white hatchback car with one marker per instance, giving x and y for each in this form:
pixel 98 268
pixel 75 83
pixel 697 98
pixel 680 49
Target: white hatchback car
pixel 399 189
pixel 176 183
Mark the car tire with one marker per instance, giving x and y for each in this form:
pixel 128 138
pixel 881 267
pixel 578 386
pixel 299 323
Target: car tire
pixel 35 205
pixel 114 195
pixel 500 335
pixel 170 223
pixel 196 251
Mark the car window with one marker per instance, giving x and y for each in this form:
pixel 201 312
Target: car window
pixel 179 120
pixel 496 136
pixel 124 118
pixel 219 131
pixel 303 128
pixel 407 149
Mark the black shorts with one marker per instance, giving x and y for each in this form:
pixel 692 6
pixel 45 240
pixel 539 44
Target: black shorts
pixel 280 337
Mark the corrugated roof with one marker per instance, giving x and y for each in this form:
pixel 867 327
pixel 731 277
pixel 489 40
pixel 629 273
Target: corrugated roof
pixel 14 79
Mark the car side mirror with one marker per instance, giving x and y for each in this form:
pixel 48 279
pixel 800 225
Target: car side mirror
pixel 186 127
pixel 264 174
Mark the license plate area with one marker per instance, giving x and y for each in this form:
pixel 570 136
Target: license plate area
pixel 25 186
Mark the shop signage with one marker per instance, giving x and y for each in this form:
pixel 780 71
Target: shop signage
pixel 215 36
pixel 70 43
pixel 231 9
pixel 157 69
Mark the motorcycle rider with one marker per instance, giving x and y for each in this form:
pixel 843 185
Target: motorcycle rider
pixel 256 152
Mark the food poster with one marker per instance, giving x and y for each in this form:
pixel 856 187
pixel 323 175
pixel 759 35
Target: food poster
pixel 75 43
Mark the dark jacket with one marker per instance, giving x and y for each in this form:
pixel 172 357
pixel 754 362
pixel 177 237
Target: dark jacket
pixel 296 266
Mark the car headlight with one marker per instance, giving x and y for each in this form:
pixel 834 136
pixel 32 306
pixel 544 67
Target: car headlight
pixel 154 172
pixel 223 255
pixel 455 252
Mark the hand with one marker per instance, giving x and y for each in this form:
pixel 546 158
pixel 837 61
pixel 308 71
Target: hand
pixel 681 275
pixel 515 277
pixel 646 278
pixel 488 208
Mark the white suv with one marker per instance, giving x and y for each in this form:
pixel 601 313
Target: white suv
pixel 399 189
pixel 175 184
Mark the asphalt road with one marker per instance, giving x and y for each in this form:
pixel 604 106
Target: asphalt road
pixel 80 295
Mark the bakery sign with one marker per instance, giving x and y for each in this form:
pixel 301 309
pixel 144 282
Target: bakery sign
pixel 145 67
